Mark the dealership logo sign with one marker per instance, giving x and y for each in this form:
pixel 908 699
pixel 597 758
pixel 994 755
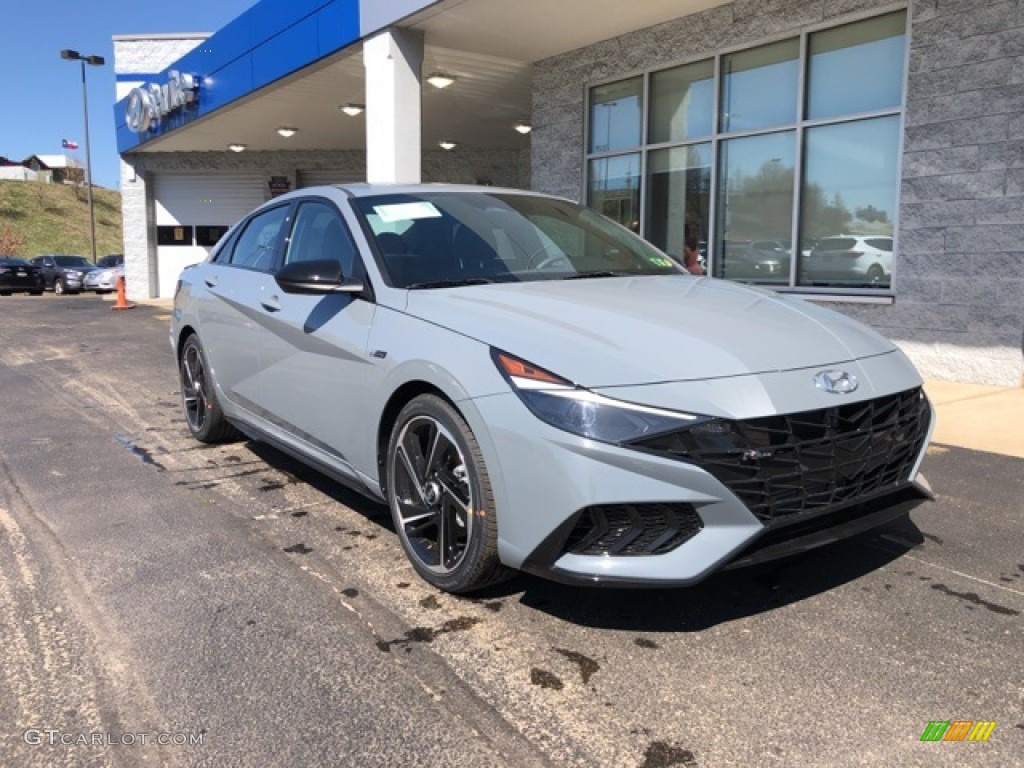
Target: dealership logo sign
pixel 836 382
pixel 149 104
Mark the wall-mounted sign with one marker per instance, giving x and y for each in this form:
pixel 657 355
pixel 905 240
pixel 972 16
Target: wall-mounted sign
pixel 279 185
pixel 148 104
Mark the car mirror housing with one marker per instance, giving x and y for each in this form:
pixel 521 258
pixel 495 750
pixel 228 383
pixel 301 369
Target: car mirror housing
pixel 321 276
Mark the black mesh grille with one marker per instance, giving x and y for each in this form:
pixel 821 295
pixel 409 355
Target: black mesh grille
pixel 633 529
pixel 797 463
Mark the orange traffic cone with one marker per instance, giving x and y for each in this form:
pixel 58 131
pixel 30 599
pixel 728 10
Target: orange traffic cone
pixel 122 301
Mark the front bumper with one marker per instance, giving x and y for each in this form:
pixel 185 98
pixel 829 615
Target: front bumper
pixel 556 492
pixel 98 284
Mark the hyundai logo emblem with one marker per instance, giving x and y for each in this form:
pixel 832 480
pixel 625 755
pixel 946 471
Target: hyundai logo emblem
pixel 836 382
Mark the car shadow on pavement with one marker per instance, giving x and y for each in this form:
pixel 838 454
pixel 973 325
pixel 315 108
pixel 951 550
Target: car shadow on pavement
pixel 724 597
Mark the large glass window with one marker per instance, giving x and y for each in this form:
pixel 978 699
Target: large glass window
pixel 849 189
pixel 759 87
pixel 856 67
pixel 755 208
pixel 682 102
pixel 319 233
pixel 779 161
pixel 616 115
pixel 615 188
pixel 679 197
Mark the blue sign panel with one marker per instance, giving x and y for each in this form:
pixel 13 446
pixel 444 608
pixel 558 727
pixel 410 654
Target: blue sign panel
pixel 269 41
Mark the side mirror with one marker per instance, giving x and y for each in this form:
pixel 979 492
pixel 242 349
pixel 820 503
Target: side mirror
pixel 321 276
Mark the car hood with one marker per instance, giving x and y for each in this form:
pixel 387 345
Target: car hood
pixel 605 332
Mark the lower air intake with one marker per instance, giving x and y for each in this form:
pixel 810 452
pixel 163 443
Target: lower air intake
pixel 633 529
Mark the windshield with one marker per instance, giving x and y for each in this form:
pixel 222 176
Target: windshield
pixel 440 239
pixel 72 261
pixel 10 261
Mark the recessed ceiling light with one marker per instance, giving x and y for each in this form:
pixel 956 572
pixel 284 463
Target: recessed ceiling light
pixel 287 132
pixel 447 146
pixel 440 80
pixel 236 147
pixel 523 128
pixel 352 109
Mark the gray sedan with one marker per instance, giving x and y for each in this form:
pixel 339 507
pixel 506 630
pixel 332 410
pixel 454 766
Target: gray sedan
pixel 530 386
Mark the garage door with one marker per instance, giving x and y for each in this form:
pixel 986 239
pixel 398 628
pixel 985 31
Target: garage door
pixel 318 178
pixel 192 210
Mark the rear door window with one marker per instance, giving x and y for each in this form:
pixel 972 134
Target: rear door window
pixel 256 247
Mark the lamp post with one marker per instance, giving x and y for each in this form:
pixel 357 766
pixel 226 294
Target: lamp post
pixel 96 61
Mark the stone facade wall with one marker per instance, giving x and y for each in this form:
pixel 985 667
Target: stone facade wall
pixel 959 270
pixel 149 56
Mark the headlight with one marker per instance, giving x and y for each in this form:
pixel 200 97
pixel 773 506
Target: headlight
pixel 564 405
pixel 73 273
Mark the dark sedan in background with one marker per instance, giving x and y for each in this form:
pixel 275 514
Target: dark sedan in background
pixel 64 274
pixel 18 276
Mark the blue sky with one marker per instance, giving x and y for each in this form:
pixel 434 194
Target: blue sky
pixel 41 94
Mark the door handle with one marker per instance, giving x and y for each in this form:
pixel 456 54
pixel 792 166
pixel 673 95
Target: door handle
pixel 271 304
pixel 211 282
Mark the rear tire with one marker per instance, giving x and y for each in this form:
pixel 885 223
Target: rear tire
pixel 5 293
pixel 441 498
pixel 203 415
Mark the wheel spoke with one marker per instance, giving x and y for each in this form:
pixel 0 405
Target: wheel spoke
pixel 444 536
pixel 433 456
pixel 451 494
pixel 410 471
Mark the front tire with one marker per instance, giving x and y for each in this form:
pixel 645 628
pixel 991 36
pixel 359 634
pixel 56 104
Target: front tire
pixel 59 288
pixel 441 498
pixel 203 415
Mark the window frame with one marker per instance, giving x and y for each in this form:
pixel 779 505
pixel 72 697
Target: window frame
pixel 244 227
pixel 358 269
pixel 799 127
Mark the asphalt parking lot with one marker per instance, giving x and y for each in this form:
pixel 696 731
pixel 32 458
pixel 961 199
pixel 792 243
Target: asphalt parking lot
pixel 151 585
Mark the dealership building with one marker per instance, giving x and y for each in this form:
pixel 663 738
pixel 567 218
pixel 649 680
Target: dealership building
pixel 865 155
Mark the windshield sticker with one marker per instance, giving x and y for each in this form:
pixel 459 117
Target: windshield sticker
pixel 406 211
pixel 660 261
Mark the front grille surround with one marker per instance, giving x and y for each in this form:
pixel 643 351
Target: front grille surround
pixel 624 530
pixel 803 463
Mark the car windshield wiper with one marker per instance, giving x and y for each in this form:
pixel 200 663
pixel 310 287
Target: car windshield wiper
pixel 600 273
pixel 451 283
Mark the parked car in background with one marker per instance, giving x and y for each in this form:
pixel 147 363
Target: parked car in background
pixel 766 261
pixel 63 274
pixel 18 276
pixel 530 386
pixel 112 260
pixel 853 260
pixel 103 280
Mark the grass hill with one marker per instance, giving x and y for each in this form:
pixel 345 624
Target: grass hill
pixel 54 218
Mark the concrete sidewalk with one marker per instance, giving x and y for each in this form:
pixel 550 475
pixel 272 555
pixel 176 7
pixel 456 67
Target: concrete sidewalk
pixel 978 417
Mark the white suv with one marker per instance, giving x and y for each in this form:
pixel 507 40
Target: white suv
pixel 863 260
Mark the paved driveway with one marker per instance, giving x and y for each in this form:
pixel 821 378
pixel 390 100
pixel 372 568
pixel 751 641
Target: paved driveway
pixel 152 585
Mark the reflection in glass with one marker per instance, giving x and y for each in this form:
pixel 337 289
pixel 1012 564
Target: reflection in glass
pixel 616 113
pixel 682 102
pixel 615 189
pixel 857 67
pixel 755 208
pixel 850 193
pixel 759 87
pixel 679 198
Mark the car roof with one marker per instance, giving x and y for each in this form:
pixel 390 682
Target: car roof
pixel 362 189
